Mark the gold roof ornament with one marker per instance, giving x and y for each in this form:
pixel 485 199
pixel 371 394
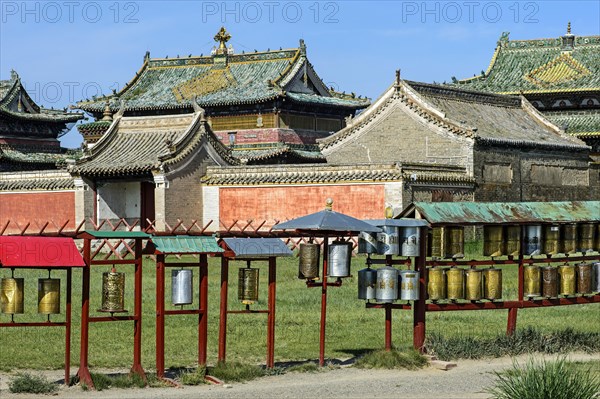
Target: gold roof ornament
pixel 107 114
pixel 569 28
pixel 222 37
pixel 328 204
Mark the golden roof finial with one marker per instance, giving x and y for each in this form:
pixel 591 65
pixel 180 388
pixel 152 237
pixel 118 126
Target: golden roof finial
pixel 328 204
pixel 389 212
pixel 222 37
pixel 107 114
pixel 569 28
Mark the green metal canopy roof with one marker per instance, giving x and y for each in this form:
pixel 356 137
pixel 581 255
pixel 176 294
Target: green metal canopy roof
pixel 186 245
pixel 116 234
pixel 447 213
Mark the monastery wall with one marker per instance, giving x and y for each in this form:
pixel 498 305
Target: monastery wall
pixel 36 207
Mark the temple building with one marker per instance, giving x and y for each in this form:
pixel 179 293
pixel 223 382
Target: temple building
pixel 559 76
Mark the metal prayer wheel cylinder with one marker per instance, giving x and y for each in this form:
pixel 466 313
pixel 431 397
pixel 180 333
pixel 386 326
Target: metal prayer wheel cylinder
pixel 596 277
pixel 533 240
pixel 340 257
pixel 248 285
pixel 456 283
pixel 584 278
pixel 367 243
pixel 410 241
pixel 436 283
pixel 309 261
pixel 568 279
pixel 493 241
pixel 474 281
pixel 552 240
pixel 11 295
pixel 367 281
pixel 435 244
pixel 513 240
pixel 182 282
pixel 586 237
pixel 49 295
pixel 492 284
pixel 549 282
pixel 454 242
pixel 113 292
pixel 409 285
pixel 532 281
pixel 570 243
pixel 386 289
pixel 388 241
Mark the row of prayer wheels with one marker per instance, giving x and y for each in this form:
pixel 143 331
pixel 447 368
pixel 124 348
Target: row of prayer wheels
pixel 456 283
pixel 12 297
pixel 565 280
pixel 338 262
pixel 392 240
pixel 387 284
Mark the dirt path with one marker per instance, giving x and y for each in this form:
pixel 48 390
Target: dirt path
pixel 467 381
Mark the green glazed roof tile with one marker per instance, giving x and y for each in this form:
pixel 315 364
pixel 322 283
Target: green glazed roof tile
pixel 186 245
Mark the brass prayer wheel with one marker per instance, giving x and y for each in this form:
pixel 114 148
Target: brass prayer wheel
pixel 586 237
pixel 570 239
pixel 533 240
pixel 113 292
pixel 436 283
pixel 513 240
pixel 551 240
pixel 532 281
pixel 493 241
pixel 549 282
pixel 49 296
pixel 454 242
pixel 584 278
pixel 309 261
pixel 11 295
pixel 248 285
pixel 474 280
pixel 492 284
pixel 456 283
pixel 435 247
pixel 568 277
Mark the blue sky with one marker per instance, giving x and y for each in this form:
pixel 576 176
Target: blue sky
pixel 65 51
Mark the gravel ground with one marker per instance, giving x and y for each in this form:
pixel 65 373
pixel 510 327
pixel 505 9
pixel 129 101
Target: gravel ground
pixel 466 381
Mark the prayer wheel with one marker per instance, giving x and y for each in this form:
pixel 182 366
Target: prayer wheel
pixel 367 243
pixel 435 246
pixel 549 282
pixel 386 289
pixel 474 281
pixel 552 240
pixel 409 285
pixel 113 292
pixel 454 242
pixel 586 237
pixel 367 281
pixel 597 240
pixel 410 241
pixel 11 295
pixel 493 241
pixel 568 279
pixel 182 282
pixel 513 240
pixel 456 283
pixel 436 283
pixel 584 278
pixel 533 240
pixel 596 277
pixel 248 285
pixel 388 241
pixel 340 257
pixel 492 284
pixel 570 243
pixel 532 281
pixel 309 261
pixel 49 296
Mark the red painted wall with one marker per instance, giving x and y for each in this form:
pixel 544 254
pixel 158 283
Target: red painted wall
pixel 363 201
pixel 37 208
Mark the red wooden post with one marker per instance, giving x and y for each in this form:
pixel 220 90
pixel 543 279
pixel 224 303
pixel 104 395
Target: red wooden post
pixel 84 373
pixel 388 327
pixel 223 310
pixel 203 315
pixel 419 305
pixel 271 314
pixel 323 303
pixel 68 328
pixel 160 315
pixel 137 306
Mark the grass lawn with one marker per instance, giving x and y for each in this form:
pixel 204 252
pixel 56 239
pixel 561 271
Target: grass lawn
pixel 351 328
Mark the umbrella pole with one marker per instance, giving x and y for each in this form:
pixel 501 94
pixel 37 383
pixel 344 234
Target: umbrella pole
pixel 323 303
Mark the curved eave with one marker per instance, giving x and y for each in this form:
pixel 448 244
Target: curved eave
pixel 41 117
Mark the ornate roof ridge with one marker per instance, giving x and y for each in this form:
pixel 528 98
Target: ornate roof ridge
pixel 467 95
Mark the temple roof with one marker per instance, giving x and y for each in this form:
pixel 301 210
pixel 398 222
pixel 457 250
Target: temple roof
pixel 23 155
pixel 275 152
pixel 45 180
pixel 564 64
pixel 484 117
pixel 224 78
pixel 582 123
